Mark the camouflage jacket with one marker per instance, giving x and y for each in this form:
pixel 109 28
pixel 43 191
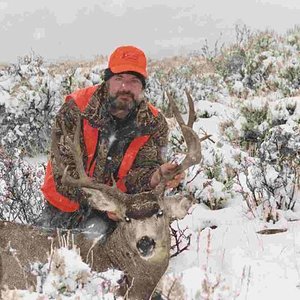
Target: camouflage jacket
pixel 110 151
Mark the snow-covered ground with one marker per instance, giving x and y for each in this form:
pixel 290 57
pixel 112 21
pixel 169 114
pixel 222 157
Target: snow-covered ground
pixel 234 261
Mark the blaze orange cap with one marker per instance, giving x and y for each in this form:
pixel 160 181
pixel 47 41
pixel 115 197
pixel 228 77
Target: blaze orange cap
pixel 128 58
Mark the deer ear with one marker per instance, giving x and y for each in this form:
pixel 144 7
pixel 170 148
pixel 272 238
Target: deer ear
pixel 178 206
pixel 103 202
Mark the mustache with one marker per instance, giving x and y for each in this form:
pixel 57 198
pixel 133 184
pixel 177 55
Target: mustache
pixel 124 93
pixel 118 104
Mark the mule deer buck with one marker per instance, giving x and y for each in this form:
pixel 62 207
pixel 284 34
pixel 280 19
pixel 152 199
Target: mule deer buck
pixel 139 246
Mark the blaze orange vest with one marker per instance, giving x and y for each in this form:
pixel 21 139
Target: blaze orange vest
pixel 90 134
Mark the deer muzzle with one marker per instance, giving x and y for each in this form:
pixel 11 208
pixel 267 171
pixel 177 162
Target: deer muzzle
pixel 145 246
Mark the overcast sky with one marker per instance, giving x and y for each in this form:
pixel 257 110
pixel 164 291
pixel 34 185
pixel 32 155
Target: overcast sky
pixel 81 29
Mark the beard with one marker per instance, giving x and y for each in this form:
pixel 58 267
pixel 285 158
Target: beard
pixel 122 103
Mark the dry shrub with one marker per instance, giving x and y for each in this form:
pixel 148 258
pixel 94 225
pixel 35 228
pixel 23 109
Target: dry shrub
pixel 171 288
pixel 199 65
pixel 64 66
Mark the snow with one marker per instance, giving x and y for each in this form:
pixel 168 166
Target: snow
pixel 65 276
pixel 271 261
pixel 37 160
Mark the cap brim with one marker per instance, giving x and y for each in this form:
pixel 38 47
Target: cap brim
pixel 125 68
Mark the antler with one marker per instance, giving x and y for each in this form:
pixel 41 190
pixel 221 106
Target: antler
pixel 192 140
pixel 104 197
pixel 84 180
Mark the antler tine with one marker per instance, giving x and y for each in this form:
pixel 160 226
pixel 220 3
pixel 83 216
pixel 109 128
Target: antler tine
pixel 192 113
pixel 175 110
pixel 192 140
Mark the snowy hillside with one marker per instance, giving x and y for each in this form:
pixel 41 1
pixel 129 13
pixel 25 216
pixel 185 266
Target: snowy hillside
pixel 244 231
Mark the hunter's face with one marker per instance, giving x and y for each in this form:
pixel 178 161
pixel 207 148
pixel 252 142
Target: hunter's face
pixel 124 91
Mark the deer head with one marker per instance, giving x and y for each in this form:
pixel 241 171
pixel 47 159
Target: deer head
pixel 144 218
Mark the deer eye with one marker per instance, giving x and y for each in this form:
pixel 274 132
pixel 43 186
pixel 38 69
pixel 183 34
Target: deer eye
pixel 128 220
pixel 160 213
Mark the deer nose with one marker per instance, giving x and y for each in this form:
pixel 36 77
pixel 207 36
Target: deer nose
pixel 145 246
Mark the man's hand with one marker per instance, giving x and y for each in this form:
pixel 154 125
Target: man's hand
pixel 166 169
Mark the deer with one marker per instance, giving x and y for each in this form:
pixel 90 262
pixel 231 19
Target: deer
pixel 140 244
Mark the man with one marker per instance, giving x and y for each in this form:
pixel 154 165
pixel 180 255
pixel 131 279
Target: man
pixel 123 137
